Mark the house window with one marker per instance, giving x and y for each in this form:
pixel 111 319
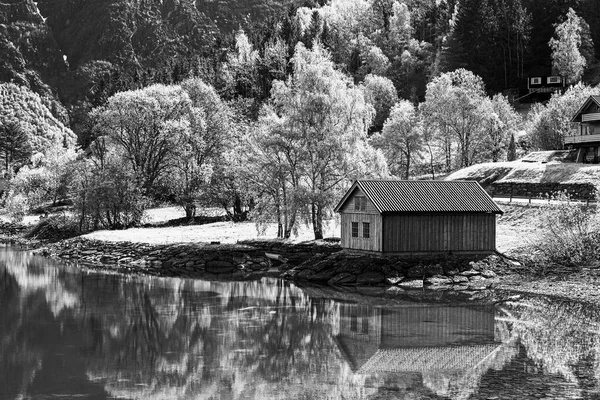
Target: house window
pixel 360 203
pixel 366 230
pixel 365 326
pixel 355 229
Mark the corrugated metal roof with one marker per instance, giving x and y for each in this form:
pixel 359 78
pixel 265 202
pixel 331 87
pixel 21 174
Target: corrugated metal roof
pixel 396 196
pixel 427 359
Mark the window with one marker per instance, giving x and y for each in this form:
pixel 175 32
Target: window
pixel 366 230
pixel 354 323
pixel 355 229
pixel 360 203
pixel 554 79
pixel 365 325
pixel 536 81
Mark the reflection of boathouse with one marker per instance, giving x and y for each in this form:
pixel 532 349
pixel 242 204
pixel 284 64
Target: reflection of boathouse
pixel 442 343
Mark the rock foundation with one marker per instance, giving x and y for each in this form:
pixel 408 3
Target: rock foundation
pixel 315 262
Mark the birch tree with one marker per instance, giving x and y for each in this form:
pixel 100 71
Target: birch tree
pixel 566 57
pixel 401 138
pixel 322 120
pixel 456 104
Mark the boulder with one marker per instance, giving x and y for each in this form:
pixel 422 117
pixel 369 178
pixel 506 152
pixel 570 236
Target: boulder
pixel 411 283
pixel 438 280
pixel 488 274
pixel 219 267
pixel 460 279
pixel 469 273
pixel 305 274
pixel 370 278
pixel 324 275
pixel 342 279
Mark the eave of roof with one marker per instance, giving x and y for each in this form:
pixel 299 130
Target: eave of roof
pixel 424 197
pixel 586 103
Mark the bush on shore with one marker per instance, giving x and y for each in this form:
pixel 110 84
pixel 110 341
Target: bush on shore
pixel 571 236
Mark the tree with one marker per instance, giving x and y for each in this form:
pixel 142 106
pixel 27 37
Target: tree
pixel 14 145
pixel 566 57
pixel 146 125
pixel 549 124
pixel 401 137
pixel 456 105
pixel 321 119
pixel 501 124
pixel 511 152
pixel 381 94
pixel 200 144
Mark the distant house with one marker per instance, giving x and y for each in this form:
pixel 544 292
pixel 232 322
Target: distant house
pixel 394 216
pixel 587 139
pixel 545 84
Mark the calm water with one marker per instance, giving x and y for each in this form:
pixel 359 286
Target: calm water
pixel 72 334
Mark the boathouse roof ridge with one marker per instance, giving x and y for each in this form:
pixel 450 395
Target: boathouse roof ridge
pixel 406 196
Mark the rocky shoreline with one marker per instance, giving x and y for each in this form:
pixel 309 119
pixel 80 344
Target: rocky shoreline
pixel 314 262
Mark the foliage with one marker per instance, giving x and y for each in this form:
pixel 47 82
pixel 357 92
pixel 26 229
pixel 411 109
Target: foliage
pixel 42 129
pixel 457 108
pixel 146 125
pixel 48 177
pixel 308 136
pixel 106 194
pixel 502 124
pixel 14 146
pixel 17 206
pixel 381 94
pixel 570 235
pixel 566 57
pixel 549 124
pixel 401 138
pixel 490 38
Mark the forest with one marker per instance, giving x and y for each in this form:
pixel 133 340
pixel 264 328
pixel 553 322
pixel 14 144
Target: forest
pixel 270 110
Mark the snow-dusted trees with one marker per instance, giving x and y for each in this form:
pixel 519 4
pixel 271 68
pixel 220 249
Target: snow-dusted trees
pixel 566 57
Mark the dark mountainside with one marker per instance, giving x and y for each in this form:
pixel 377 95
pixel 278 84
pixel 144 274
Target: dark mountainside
pixel 77 53
pixel 80 52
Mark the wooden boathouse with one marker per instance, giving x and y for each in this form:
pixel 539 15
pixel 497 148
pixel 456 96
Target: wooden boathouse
pixel 418 217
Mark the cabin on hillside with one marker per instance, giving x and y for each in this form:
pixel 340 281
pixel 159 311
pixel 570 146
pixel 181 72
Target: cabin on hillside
pixel 418 217
pixel 587 139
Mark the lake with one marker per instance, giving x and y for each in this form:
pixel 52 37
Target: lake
pixel 69 333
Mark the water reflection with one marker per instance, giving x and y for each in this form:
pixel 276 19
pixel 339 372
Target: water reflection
pixel 67 333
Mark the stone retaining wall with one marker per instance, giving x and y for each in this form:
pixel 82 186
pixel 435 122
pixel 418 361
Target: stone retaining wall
pixel 239 261
pixel 576 191
pixel 316 262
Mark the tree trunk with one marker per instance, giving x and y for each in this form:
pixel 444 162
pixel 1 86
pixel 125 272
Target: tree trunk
pixel 317 220
pixel 190 210
pixel 407 172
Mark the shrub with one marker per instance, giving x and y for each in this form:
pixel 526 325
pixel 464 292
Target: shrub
pixel 17 207
pixel 571 236
pixel 108 196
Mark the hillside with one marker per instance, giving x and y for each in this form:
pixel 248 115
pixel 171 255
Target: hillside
pixel 534 174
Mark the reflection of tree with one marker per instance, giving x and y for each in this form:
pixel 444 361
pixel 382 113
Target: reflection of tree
pixel 32 345
pixel 73 333
pixel 560 341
